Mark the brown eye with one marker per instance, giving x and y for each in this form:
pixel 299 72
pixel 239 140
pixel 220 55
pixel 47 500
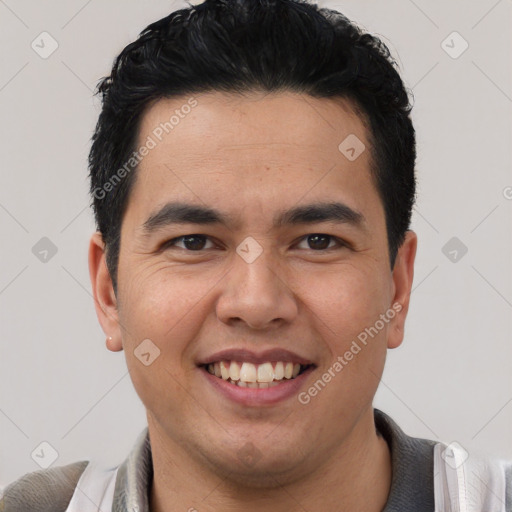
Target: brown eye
pixel 318 241
pixel 321 242
pixel 189 242
pixel 194 242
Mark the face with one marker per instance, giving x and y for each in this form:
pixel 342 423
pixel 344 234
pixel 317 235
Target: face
pixel 250 237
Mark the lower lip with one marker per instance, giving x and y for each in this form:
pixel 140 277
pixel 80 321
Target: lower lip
pixel 256 396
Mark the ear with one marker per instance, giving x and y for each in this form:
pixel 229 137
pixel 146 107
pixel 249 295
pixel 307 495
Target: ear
pixel 403 274
pixel 105 300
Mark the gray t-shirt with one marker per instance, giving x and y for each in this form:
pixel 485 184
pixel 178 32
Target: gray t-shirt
pixel 412 485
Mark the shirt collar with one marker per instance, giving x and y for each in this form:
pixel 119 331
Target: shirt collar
pixel 412 462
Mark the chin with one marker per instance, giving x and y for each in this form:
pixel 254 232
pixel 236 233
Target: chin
pixel 260 476
pixel 250 467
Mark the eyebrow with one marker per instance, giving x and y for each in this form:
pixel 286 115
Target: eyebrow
pixel 184 213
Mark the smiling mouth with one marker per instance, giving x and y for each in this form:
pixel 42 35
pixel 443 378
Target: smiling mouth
pixel 258 376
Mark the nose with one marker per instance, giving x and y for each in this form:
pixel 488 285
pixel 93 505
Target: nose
pixel 256 294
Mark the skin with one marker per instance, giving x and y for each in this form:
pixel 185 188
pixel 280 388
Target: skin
pixel 253 156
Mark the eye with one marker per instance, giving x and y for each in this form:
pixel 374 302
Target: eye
pixel 196 242
pixel 321 242
pixel 190 242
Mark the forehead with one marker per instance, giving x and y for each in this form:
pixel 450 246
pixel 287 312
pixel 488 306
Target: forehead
pixel 216 120
pixel 252 149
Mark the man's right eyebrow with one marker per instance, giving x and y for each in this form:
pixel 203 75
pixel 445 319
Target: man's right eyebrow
pixel 183 213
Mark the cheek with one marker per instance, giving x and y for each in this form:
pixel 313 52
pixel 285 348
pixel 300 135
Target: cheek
pixel 357 339
pixel 347 314
pixel 346 301
pixel 157 295
pixel 160 306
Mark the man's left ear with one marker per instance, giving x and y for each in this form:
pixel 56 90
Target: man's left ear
pixel 403 274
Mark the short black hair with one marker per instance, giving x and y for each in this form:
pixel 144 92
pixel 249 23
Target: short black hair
pixel 239 46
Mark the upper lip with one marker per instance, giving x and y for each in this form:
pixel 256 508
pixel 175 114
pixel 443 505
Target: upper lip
pixel 244 355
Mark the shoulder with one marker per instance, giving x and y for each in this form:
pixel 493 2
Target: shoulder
pixel 431 475
pixel 478 481
pixel 48 490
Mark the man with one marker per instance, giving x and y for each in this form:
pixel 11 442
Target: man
pixel 252 175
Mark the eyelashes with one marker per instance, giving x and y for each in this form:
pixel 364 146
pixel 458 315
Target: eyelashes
pixel 196 243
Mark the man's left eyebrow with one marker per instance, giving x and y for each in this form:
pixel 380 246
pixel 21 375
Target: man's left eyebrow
pixel 321 212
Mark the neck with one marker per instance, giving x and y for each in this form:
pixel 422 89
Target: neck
pixel 356 477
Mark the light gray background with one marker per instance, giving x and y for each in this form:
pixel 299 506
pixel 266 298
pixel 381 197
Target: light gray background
pixel 451 380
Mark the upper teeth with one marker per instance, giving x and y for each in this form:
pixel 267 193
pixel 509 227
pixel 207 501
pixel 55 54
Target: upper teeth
pixel 254 373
